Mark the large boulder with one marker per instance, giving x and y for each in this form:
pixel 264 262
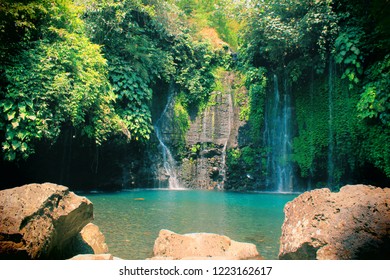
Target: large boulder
pixel 38 221
pixel 170 245
pixel 351 224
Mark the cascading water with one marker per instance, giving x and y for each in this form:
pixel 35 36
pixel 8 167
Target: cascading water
pixel 311 139
pixel 330 133
pixel 168 160
pixel 278 139
pixel 229 129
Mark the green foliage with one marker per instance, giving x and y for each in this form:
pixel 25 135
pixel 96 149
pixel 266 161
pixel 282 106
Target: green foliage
pixel 347 52
pixel 128 32
pixel 195 62
pixel 244 167
pixel 233 158
pixel 52 76
pixel 256 83
pixel 311 145
pixel 20 21
pixel 222 15
pixel 57 81
pixel 196 148
pixel 133 97
pixel 374 101
pixel 142 45
pixel 299 38
pixel 182 119
pixel 376 147
pixel 218 74
pixel 289 34
pixel 249 156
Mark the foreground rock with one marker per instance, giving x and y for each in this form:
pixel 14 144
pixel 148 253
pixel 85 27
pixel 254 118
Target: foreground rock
pixel 170 245
pixel 38 221
pixel 351 224
pixel 90 240
pixel 94 238
pixel 93 257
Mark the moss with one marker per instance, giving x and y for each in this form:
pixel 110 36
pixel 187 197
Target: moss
pixel 317 134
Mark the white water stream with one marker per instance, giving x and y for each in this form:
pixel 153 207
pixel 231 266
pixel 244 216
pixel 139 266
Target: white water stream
pixel 169 162
pixel 330 135
pixel 229 129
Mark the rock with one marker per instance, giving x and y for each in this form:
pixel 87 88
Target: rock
pixel 212 152
pixel 38 221
pixel 89 241
pixel 94 238
pixel 89 257
pixel 170 245
pixel 351 224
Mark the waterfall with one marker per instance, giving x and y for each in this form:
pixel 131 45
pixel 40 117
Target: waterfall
pixel 330 133
pixel 311 143
pixel 229 129
pixel 168 160
pixel 278 139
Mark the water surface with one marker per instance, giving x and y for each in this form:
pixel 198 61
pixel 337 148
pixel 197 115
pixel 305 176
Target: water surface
pixel 131 220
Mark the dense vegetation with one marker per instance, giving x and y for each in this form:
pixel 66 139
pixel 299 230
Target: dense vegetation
pixel 99 72
pixel 321 48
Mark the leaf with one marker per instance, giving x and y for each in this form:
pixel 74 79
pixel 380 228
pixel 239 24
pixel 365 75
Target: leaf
pixel 15 124
pixel 24 147
pixel 7 105
pixel 15 145
pixel 11 116
pixel 356 51
pixel 10 156
pixel 30 104
pixel 6 146
pixel 21 135
pixel 31 117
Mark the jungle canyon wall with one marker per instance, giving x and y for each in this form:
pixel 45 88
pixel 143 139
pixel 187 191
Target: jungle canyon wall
pixel 314 112
pixel 310 137
pixel 195 155
pixel 330 140
pixel 210 134
pixel 303 143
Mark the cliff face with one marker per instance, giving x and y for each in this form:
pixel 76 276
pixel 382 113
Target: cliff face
pixel 208 138
pixel 189 146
